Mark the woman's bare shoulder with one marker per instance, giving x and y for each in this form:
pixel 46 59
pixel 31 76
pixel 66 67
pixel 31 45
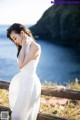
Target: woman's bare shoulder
pixel 35 44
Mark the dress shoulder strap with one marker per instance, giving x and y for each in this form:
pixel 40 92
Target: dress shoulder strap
pixel 28 46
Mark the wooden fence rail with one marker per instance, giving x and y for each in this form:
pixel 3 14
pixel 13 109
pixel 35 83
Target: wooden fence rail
pixel 61 92
pixel 50 91
pixel 41 116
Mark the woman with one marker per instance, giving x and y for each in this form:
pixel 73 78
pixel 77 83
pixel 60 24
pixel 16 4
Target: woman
pixel 25 87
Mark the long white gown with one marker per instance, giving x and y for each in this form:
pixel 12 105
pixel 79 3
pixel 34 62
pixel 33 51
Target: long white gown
pixel 25 92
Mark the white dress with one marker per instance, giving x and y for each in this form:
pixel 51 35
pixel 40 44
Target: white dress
pixel 25 92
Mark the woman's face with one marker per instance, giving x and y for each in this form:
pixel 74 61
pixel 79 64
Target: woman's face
pixel 17 38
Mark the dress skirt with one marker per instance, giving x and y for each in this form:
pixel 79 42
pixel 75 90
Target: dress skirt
pixel 24 94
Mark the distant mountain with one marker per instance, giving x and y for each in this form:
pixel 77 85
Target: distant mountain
pixel 59 24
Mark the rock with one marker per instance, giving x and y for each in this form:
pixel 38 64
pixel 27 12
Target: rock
pixel 62 101
pixel 59 24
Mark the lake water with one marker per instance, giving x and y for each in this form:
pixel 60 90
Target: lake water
pixel 57 64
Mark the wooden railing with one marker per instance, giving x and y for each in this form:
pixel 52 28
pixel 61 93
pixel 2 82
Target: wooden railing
pixel 50 91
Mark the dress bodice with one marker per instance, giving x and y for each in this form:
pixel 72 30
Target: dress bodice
pixel 31 66
pixel 28 46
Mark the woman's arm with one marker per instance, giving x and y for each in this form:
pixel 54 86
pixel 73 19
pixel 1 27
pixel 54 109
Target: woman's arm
pixel 33 54
pixel 22 52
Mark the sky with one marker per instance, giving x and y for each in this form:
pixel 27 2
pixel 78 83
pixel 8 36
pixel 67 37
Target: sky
pixel 22 11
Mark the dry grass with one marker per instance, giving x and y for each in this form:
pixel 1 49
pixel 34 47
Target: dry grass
pixel 65 107
pixel 4 97
pixel 70 109
pixel 74 86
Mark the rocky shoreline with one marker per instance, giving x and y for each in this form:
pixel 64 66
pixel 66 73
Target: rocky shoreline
pixel 59 24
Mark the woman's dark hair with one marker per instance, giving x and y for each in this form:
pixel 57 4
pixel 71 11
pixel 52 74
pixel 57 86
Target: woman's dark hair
pixel 17 28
